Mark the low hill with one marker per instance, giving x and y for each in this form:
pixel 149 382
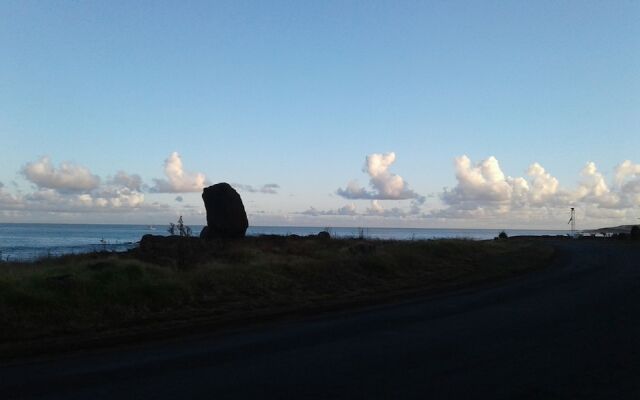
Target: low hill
pixel 610 230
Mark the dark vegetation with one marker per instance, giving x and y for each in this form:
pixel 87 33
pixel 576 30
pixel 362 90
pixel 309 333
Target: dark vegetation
pixel 169 278
pixel 179 228
pixel 621 232
pixel 634 234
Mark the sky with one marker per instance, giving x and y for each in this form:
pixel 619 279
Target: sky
pixel 335 113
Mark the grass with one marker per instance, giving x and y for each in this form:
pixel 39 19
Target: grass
pixel 186 278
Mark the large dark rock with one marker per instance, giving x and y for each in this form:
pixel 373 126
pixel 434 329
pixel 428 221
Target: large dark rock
pixel 226 217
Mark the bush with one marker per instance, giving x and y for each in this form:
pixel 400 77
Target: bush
pixel 179 229
pixel 635 232
pixel 503 235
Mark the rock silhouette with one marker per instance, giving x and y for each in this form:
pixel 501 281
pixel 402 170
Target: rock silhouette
pixel 226 217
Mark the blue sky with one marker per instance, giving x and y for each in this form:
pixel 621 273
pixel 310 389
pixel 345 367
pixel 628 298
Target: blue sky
pixel 299 94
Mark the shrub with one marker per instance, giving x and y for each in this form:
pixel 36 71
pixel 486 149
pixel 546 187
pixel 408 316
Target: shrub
pixel 503 235
pixel 635 232
pixel 179 229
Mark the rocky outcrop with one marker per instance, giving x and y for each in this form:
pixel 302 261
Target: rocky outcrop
pixel 226 217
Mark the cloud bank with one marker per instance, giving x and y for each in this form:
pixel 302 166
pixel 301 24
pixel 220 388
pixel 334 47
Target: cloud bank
pixel 348 209
pixel 67 177
pixel 483 194
pixel 72 188
pixel 269 188
pixel 483 190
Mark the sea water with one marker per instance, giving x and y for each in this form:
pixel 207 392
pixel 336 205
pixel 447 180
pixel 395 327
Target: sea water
pixel 27 242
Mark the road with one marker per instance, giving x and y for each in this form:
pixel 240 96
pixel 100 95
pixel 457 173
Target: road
pixel 571 331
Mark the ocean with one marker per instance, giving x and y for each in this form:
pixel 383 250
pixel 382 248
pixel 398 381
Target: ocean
pixel 28 242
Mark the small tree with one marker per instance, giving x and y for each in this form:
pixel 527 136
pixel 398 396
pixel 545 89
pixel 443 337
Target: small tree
pixel 184 230
pixel 181 229
pixel 172 229
pixel 503 235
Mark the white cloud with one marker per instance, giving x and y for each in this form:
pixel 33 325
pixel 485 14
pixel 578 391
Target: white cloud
pixel 178 180
pixel 544 189
pixel 627 181
pixel 375 210
pixel 104 200
pixel 9 201
pixel 68 177
pixel 626 170
pixel 73 189
pixel 483 191
pixel 269 188
pixel 484 188
pixel 593 189
pixel 347 209
pixel 384 184
pixel 482 183
pixel 133 181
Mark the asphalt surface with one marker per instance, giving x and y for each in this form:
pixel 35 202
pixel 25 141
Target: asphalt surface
pixel 571 331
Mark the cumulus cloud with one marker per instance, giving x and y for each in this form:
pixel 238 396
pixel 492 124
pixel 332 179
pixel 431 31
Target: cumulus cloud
pixel 269 188
pixel 105 200
pixel 593 188
pixel 626 170
pixel 133 181
pixel 484 191
pixel 485 184
pixel 543 187
pixel 178 180
pixel 70 188
pixel 482 183
pixel 627 181
pixel 384 185
pixel 68 177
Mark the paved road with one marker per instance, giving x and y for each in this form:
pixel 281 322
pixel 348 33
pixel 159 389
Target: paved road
pixel 569 332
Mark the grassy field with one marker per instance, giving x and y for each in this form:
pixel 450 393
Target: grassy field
pixel 183 278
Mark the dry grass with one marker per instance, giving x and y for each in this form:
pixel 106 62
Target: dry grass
pixel 98 292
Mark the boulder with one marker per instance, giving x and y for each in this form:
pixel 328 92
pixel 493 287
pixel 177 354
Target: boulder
pixel 226 217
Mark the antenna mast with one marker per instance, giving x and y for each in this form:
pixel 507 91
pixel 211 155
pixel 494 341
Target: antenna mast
pixel 572 221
